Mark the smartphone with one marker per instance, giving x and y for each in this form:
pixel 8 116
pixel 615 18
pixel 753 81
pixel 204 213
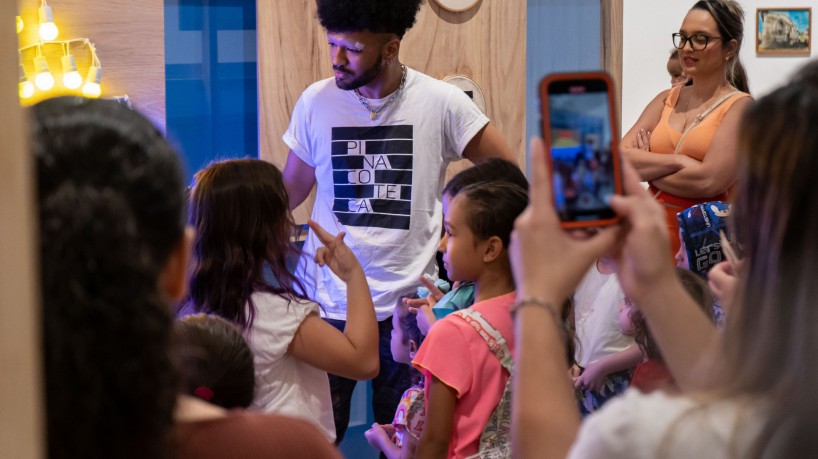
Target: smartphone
pixel 581 135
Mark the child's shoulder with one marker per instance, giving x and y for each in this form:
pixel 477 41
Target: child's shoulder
pixel 446 324
pixel 455 329
pixel 497 306
pixel 272 298
pixel 450 333
pixel 274 306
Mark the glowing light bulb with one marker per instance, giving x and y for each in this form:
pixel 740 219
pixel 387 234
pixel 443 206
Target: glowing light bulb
pixel 48 30
pixel 71 78
pixel 91 87
pixel 24 87
pixel 44 81
pixel 43 78
pixel 20 24
pixel 91 90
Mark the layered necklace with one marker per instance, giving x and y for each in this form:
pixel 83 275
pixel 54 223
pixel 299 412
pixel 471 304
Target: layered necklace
pixel 374 112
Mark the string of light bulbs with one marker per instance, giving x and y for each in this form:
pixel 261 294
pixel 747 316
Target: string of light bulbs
pixel 43 78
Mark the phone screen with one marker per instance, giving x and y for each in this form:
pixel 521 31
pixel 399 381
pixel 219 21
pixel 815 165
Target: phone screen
pixel 583 160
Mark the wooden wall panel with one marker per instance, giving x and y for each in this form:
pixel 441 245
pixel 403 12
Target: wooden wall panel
pixel 20 389
pixel 486 43
pixel 292 54
pixel 130 42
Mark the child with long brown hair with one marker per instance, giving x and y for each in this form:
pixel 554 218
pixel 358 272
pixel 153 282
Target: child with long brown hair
pixel 239 209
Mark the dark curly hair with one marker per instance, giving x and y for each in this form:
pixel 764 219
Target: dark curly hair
pixel 240 211
pixel 111 210
pixel 378 16
pixel 214 356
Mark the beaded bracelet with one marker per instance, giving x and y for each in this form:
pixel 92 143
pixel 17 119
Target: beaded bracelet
pixel 540 303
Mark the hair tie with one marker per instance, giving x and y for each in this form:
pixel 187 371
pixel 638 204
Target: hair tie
pixel 203 393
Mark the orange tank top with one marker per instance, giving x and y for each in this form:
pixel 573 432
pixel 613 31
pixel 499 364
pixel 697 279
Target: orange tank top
pixel 664 138
pixel 696 143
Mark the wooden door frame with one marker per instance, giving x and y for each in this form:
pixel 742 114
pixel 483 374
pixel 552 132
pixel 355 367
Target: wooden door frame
pixel 611 46
pixel 21 414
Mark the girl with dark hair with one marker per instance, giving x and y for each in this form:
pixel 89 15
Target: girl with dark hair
pixel 399 439
pixel 113 256
pixel 241 255
pixel 466 355
pixel 684 143
pixel 217 364
pixel 747 392
pixel 111 213
pixel 462 294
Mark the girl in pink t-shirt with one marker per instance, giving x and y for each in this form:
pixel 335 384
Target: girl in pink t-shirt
pixel 465 380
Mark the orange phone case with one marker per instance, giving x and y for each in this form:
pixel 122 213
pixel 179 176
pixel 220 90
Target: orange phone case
pixel 617 167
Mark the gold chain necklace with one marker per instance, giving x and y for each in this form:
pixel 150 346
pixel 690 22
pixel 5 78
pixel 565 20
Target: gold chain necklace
pixel 374 112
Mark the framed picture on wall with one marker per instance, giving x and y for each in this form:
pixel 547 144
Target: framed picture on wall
pixel 783 31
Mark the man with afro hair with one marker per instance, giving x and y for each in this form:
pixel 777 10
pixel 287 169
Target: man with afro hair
pixel 376 139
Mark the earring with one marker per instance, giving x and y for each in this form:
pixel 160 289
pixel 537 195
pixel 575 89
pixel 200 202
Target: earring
pixel 389 62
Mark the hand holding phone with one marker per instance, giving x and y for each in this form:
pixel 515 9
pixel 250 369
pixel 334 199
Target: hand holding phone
pixel 580 132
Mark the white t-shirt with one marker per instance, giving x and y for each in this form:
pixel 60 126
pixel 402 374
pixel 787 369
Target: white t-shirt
pixel 380 181
pixel 285 384
pixel 659 425
pixel 596 316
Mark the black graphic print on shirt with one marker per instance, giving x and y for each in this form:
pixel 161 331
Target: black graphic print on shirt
pixel 372 176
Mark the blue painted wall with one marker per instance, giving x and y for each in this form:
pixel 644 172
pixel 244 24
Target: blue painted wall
pixel 211 82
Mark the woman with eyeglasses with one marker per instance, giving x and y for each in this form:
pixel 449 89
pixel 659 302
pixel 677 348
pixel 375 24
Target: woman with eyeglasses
pixel 684 143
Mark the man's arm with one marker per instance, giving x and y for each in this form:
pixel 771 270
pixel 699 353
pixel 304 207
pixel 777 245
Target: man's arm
pixel 299 178
pixel 488 143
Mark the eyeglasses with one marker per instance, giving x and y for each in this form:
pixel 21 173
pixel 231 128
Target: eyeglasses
pixel 698 41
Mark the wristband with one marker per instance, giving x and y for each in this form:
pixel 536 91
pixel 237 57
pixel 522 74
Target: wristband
pixel 539 303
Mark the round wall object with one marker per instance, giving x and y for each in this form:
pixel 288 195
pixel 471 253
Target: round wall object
pixel 457 5
pixel 470 88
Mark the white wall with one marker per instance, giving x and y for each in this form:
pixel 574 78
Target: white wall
pixel 646 45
